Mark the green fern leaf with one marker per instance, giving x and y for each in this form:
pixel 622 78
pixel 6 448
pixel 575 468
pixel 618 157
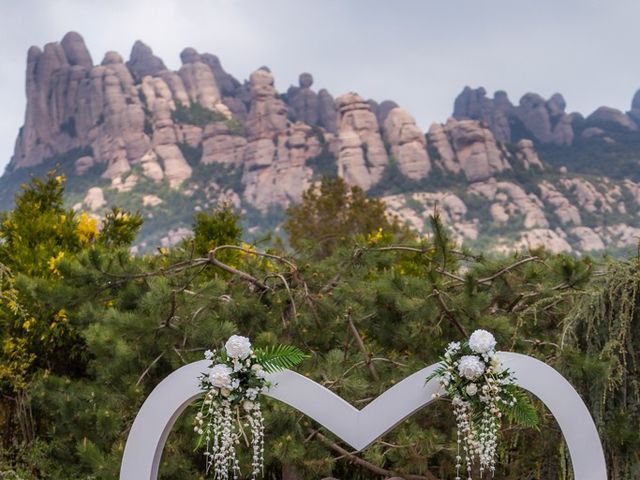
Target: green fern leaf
pixel 280 357
pixel 523 413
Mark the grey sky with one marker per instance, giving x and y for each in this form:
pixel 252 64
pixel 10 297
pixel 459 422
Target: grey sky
pixel 418 53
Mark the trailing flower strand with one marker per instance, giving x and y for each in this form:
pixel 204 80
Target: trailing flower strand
pixel 482 391
pixel 231 400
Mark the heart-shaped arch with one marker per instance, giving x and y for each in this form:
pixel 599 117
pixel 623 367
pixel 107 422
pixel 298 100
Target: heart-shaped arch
pixel 360 428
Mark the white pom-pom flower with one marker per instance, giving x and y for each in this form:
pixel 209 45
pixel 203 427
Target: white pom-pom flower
pixel 238 347
pixel 470 367
pixel 482 341
pixel 220 376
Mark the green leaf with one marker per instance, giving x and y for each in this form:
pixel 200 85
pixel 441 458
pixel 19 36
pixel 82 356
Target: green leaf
pixel 523 412
pixel 280 357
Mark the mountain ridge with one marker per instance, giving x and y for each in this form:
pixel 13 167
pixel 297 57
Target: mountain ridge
pixel 169 143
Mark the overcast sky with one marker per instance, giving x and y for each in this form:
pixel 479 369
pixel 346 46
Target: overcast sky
pixel 420 53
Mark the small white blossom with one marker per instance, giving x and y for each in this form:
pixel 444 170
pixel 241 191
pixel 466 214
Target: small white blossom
pixel 238 347
pixel 496 364
pixel 452 347
pixel 482 341
pixel 208 355
pixel 220 376
pixel 472 389
pixel 471 367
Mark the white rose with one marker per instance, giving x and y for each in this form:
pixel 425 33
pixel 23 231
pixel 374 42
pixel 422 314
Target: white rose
pixel 238 347
pixel 472 389
pixel 482 341
pixel 247 405
pixel 470 367
pixel 220 376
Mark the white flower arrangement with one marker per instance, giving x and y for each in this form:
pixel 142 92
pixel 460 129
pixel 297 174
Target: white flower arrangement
pixel 231 401
pixel 481 392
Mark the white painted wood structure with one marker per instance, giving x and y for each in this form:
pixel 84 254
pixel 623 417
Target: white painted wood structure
pixel 360 428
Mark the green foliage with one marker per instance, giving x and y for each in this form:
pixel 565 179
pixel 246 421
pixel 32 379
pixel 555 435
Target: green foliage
pixel 236 127
pixel 323 165
pixel 331 214
pixel 603 359
pixel 195 114
pixel 11 182
pixel 191 155
pixel 280 357
pixel 617 150
pixel 522 412
pixel 39 228
pixel 69 127
pixel 211 230
pixel 362 307
pixel 120 228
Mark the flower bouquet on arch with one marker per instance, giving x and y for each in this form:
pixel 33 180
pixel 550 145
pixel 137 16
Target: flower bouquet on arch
pixel 230 402
pixel 482 392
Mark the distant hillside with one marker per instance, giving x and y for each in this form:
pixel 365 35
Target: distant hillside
pixel 138 135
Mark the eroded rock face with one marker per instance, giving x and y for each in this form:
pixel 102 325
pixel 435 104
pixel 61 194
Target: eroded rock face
pixel 509 201
pixel 564 210
pixel 219 146
pixel 274 160
pixel 268 114
pixel 543 238
pixel 361 154
pixel 544 121
pixel 327 111
pixel 276 173
pixel 304 102
pixel 143 62
pixel 611 117
pixel 199 81
pixel 414 210
pixel 475 149
pixel 94 199
pixel 527 154
pixel 473 104
pixel 407 142
pixel 588 240
pixel 75 50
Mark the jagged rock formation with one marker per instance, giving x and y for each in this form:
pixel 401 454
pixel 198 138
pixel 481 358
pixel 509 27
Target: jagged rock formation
pixel 144 130
pixel 274 159
pixel 143 62
pixel 360 150
pixel 407 143
pixel 536 118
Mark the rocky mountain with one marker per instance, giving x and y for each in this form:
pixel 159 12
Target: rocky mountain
pixel 169 143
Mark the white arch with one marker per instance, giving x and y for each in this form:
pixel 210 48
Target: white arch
pixel 360 428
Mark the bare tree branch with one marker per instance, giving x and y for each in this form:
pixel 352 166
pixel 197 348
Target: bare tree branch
pixel 362 347
pixel 368 465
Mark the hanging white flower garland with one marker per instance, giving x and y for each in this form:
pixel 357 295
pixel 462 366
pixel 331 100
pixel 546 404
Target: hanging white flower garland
pixel 231 390
pixel 481 392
